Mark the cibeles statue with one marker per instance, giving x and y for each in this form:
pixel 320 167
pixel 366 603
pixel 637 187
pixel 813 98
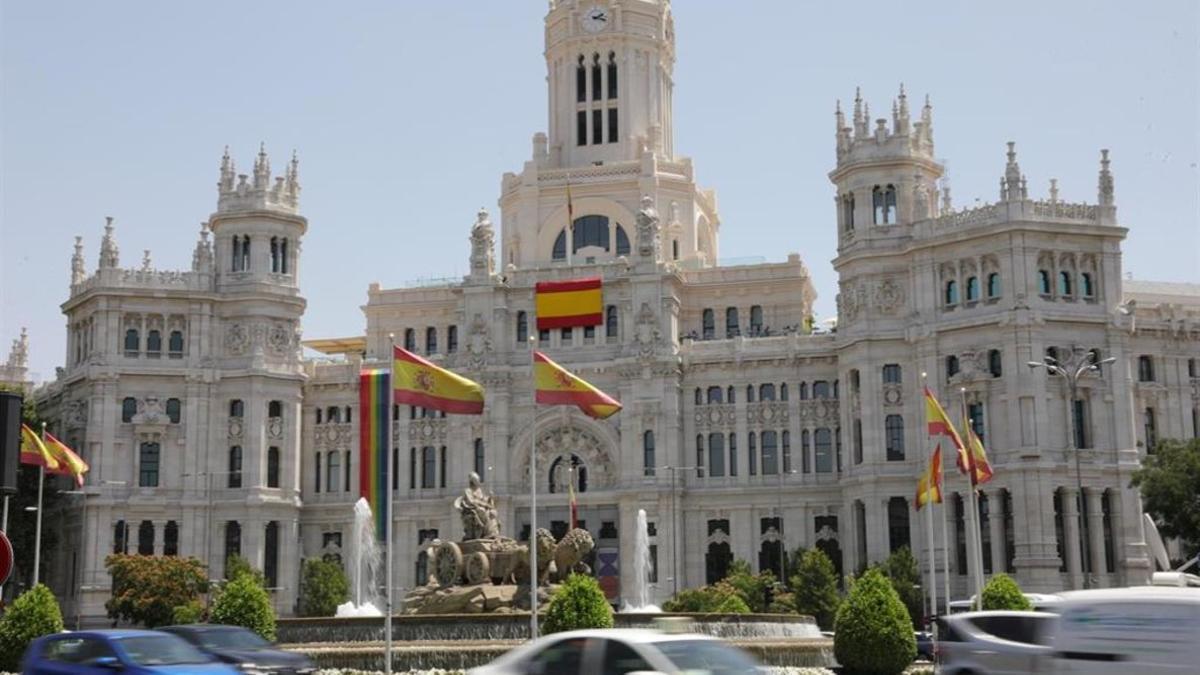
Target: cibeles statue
pixel 478 511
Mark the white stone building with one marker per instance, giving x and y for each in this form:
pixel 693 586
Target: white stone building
pixel 743 429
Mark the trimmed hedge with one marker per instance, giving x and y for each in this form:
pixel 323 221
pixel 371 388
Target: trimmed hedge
pixel 245 603
pixel 323 586
pixel 33 614
pixel 1001 592
pixel 578 603
pixel 873 633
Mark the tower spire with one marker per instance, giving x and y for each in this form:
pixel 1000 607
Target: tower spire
pixel 110 255
pixel 860 120
pixel 262 168
pixel 839 116
pixel 78 273
pixel 227 172
pixel 1011 184
pixel 903 117
pixel 1105 183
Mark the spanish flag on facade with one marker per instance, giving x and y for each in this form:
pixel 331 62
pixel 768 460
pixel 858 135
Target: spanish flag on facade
pixel 555 386
pixel 416 381
pixel 974 461
pixel 938 423
pixel 34 451
pixel 570 303
pixel 929 486
pixel 69 463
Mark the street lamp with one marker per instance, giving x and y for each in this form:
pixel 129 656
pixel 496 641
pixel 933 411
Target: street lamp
pixel 674 524
pixel 1078 364
pixel 782 543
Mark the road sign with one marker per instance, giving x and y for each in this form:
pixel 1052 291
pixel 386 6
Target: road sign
pixel 6 558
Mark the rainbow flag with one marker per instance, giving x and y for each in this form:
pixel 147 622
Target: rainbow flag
pixel 566 304
pixel 421 383
pixel 556 386
pixel 374 419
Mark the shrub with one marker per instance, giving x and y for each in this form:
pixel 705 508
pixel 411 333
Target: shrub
pixel 243 602
pixel 873 632
pixel 901 569
pixel 578 603
pixel 147 589
pixel 323 586
pixel 702 600
pixel 236 566
pixel 754 589
pixel 1001 592
pixel 732 604
pixel 192 612
pixel 33 614
pixel 814 588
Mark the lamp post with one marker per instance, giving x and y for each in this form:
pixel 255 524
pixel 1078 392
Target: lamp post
pixel 675 525
pixel 782 542
pixel 1078 364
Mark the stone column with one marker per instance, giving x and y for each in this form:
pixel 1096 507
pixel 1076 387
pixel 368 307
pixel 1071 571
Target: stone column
pixel 996 529
pixel 1071 548
pixel 1095 516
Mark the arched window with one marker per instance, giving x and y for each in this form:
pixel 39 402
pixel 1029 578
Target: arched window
pixel 699 396
pixel 1085 281
pixel 273 467
pixel 171 538
pixel 756 320
pixel 848 211
pixel 333 415
pixel 120 537
pixel 1064 283
pixel 431 340
pixel 972 289
pixel 622 238
pixel 714 395
pixel 590 231
pixel 805 462
pixel 274 409
pixel 333 471
pixel 993 285
pixel 132 342
pixel 820 389
pixel 233 541
pixel 319 416
pixel 766 392
pixel 428 467
pixel 236 261
pixel 951 366
pixel 994 362
pixel 770 458
pixel 145 538
pixel 716 455
pixel 275 254
pixel 283 256
pixel 951 292
pixel 803 391
pixel 649 461
pixel 674 249
pixel 175 344
pixel 522 328
pixel 1145 369
pixel 148 455
pixel 732 454
pixel 894 437
pixel 612 75
pixel 559 252
pixel 752 453
pixel 246 253
pixel 317 474
pixel 596 77
pixel 410 339
pixel 580 88
pixel 749 393
pixel 128 409
pixel 480 460
pixel 889 204
pixel 731 322
pixel 783 391
pixel 611 321
pixel 823 450
pixel 877 205
pixel 154 344
pixel 235 467
pixel 1043 282
pixel 707 325
pixel 237 408
pixel 730 394
pixel 452 339
pixel 174 410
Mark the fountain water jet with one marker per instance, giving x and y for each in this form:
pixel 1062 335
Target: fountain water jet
pixel 365 558
pixel 640 602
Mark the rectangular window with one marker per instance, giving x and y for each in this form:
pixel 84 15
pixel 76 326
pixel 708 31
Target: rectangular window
pixel 597 127
pixel 733 454
pixel 752 455
pixel 544 337
pixel 1150 430
pixel 566 336
pixel 858 441
pixel 1083 436
pixel 891 373
pixel 596 83
pixel 428 467
pixel 975 414
pixel 271 555
pixel 273 467
pixel 480 469
pixel 581 127
pixel 612 79
pixel 613 132
pixel 580 86
pixel 148 465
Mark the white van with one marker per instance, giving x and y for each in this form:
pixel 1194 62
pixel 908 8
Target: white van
pixel 1143 630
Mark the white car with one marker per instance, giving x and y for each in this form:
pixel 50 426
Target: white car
pixel 622 651
pixel 993 642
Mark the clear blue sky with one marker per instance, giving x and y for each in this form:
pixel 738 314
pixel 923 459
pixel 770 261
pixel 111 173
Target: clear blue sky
pixel 405 115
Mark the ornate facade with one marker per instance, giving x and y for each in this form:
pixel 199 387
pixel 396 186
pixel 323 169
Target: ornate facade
pixel 745 428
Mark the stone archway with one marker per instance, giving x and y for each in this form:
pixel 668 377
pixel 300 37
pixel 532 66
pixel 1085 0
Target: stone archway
pixel 574 442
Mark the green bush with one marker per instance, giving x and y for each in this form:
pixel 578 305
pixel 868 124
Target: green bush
pixel 236 566
pixel 1001 592
pixel 146 589
pixel 754 589
pixel 192 612
pixel 702 600
pixel 873 632
pixel 901 569
pixel 578 603
pixel 323 586
pixel 732 604
pixel 33 614
pixel 243 602
pixel 814 588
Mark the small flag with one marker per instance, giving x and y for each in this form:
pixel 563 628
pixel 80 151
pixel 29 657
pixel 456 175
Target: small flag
pixel 976 464
pixel 929 486
pixel 373 421
pixel 69 463
pixel 566 304
pixel 938 423
pixel 556 386
pixel 34 451
pixel 419 382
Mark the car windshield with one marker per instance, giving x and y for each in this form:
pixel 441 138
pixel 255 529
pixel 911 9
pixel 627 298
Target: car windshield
pixel 230 639
pixel 708 656
pixel 161 650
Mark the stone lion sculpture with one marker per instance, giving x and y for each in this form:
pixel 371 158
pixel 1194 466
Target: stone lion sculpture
pixel 570 552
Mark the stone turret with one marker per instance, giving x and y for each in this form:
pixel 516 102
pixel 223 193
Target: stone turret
pixel 15 370
pixel 261 194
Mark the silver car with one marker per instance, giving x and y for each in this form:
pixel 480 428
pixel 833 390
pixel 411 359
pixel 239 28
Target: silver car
pixel 993 642
pixel 622 651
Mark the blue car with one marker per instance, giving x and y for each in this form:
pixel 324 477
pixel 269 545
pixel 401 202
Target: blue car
pixel 132 652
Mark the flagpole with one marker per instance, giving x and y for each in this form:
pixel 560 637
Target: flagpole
pixel 533 561
pixel 387 509
pixel 976 533
pixel 946 552
pixel 37 537
pixel 935 471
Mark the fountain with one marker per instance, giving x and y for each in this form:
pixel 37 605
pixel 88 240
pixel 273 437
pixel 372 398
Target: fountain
pixel 365 555
pixel 641 569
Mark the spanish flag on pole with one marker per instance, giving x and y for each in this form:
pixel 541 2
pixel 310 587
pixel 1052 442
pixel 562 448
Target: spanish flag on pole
pixel 570 303
pixel 929 486
pixel 938 423
pixel 555 386
pixel 416 381
pixel 974 461
pixel 34 451
pixel 69 463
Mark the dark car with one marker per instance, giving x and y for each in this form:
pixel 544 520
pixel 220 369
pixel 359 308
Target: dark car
pixel 244 648
pixel 132 652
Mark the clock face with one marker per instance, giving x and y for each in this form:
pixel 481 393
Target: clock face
pixel 596 19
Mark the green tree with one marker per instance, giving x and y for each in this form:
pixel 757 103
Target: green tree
pixel 901 569
pixel 578 603
pixel 33 614
pixel 754 589
pixel 873 633
pixel 1169 481
pixel 147 589
pixel 323 586
pixel 814 588
pixel 244 602
pixel 236 566
pixel 1001 592
pixel 192 612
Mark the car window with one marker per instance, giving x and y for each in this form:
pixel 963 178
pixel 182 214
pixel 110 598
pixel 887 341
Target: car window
pixel 1025 629
pixel 708 656
pixel 564 657
pixel 76 650
pixel 161 650
pixel 620 658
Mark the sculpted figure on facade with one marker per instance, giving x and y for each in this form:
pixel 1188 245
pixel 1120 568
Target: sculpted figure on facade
pixel 477 510
pixel 649 243
pixel 479 342
pixel 483 239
